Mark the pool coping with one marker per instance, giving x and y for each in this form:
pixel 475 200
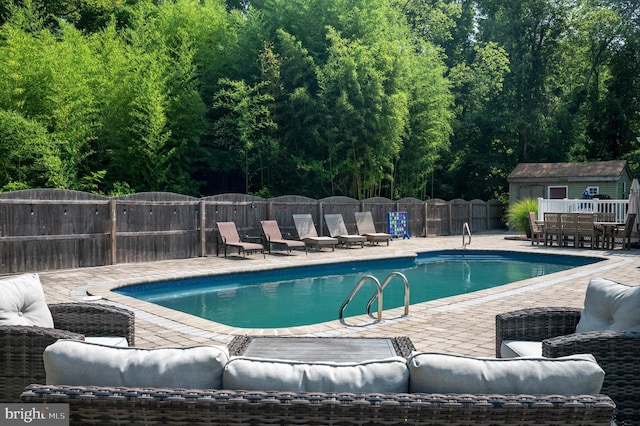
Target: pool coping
pixel 207 329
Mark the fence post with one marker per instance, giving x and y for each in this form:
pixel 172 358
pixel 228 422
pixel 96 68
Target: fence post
pixel 202 218
pixel 113 230
pixel 425 214
pixel 487 210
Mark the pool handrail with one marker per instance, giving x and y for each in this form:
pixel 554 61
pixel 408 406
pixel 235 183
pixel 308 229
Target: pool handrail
pixel 357 288
pixel 384 284
pixel 465 227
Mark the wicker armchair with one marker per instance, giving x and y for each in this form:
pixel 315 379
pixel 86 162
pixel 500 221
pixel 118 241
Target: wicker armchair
pixel 22 346
pixel 618 353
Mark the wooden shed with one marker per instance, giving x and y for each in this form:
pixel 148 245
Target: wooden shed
pixel 570 180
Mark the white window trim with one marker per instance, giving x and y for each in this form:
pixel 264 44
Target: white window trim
pixel 593 190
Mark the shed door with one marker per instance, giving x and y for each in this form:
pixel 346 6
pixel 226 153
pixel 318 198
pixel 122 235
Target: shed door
pixel 530 191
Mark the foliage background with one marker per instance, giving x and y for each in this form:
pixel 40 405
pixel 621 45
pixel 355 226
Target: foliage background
pixel 395 98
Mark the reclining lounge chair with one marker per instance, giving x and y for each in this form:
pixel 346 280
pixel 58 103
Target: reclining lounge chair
pixel 366 227
pixel 273 236
pixel 307 233
pixel 337 229
pixel 229 237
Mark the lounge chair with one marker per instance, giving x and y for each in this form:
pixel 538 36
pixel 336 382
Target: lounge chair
pixel 337 229
pixel 229 237
pixel 366 227
pixel 307 233
pixel 273 236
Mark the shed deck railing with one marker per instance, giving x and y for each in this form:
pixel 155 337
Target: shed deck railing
pixel 618 207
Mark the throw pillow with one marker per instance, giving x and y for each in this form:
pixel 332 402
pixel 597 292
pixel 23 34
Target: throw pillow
pixel 441 373
pixel 74 362
pixel 385 375
pixel 609 305
pixel 22 302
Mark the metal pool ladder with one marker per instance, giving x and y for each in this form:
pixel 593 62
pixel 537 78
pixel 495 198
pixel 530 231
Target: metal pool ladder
pixel 377 294
pixel 465 227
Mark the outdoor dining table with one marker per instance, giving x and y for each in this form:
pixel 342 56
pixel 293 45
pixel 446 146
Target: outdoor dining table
pixel 580 228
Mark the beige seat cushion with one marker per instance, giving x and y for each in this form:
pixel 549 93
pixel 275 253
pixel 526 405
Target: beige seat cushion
pixel 22 302
pixel 74 362
pixel 520 348
pixel 442 373
pixel 609 305
pixel 386 375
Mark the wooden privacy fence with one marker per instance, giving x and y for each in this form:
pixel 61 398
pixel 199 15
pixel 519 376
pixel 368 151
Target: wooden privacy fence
pixel 43 229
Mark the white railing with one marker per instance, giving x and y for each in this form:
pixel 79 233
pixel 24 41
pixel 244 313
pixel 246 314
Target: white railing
pixel 618 207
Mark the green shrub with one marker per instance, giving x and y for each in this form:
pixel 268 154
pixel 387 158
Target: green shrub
pixel 519 214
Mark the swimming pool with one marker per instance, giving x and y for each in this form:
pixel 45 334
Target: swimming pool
pixel 296 296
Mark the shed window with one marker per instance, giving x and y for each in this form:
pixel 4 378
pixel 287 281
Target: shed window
pixel 558 192
pixel 593 190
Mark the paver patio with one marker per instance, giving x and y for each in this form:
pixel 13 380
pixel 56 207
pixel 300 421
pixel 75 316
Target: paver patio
pixel 461 324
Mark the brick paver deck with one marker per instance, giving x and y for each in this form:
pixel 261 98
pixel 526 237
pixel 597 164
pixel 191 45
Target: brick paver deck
pixel 462 324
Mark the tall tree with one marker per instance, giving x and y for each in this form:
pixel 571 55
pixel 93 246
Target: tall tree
pixel 608 36
pixel 301 157
pixel 529 31
pixel 29 156
pixel 430 128
pixel 243 125
pixel 52 80
pixel 86 15
pixel 364 122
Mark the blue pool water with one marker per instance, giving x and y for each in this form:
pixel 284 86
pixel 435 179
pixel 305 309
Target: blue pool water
pixel 308 295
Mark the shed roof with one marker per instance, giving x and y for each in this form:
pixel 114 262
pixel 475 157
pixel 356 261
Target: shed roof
pixel 593 171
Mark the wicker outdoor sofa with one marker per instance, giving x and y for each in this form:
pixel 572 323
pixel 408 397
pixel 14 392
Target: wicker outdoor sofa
pixel 231 404
pixel 135 406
